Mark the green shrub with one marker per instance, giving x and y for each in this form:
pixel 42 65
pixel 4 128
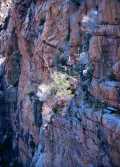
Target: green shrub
pixel 61 84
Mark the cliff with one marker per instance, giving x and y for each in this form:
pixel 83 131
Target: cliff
pixel 60 83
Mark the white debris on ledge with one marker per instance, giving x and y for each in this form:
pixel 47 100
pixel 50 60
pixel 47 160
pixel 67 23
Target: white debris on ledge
pixel 43 92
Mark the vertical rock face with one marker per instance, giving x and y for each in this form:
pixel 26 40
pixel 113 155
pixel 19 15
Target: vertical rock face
pixel 104 53
pixel 52 47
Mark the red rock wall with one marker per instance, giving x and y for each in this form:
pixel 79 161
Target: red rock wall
pixel 37 33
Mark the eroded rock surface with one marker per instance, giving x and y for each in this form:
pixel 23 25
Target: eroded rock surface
pixel 61 82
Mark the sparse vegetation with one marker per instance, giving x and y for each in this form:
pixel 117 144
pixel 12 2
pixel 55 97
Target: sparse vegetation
pixel 77 2
pixel 31 93
pixel 97 104
pixel 56 109
pixel 42 21
pixel 61 63
pixel 61 84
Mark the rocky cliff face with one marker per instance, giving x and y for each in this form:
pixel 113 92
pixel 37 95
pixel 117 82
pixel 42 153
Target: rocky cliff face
pixel 60 89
